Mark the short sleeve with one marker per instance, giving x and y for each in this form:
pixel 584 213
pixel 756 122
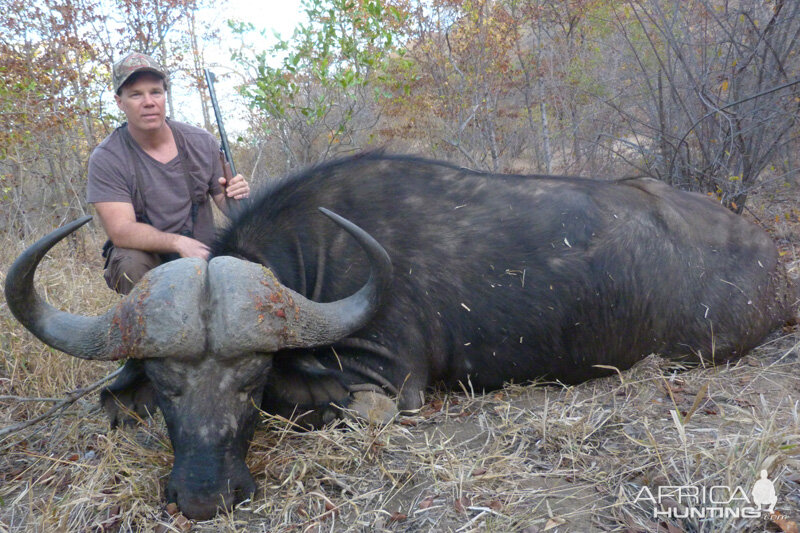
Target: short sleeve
pixel 107 182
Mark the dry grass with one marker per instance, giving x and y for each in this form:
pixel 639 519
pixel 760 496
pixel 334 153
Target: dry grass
pixel 521 459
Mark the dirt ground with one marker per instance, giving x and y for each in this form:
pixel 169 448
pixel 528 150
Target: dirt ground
pixel 530 458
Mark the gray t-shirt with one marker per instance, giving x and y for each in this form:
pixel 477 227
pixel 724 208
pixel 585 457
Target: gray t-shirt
pixel 112 178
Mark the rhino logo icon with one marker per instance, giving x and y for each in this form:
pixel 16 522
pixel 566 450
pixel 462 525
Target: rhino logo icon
pixel 764 493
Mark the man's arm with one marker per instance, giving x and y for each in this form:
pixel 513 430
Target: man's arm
pixel 119 221
pixel 237 189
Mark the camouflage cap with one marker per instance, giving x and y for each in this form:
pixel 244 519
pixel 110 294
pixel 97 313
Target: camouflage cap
pixel 132 63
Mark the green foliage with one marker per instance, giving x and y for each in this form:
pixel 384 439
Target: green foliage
pixel 342 50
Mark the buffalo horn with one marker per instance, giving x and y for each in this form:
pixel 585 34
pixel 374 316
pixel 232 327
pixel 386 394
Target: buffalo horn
pixel 254 312
pixel 329 322
pixel 160 317
pixel 77 335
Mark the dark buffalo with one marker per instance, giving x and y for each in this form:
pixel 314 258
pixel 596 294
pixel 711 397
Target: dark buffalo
pixel 495 279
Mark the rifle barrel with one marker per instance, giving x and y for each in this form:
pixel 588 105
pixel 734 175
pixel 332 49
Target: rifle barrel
pixel 226 148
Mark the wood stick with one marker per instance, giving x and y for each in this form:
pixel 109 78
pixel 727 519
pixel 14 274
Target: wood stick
pixel 69 399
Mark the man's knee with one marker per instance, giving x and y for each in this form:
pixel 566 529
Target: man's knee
pixel 127 266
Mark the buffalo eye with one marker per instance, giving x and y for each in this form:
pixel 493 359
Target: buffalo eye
pixel 253 383
pixel 171 393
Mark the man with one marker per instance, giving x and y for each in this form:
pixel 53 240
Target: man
pixel 150 180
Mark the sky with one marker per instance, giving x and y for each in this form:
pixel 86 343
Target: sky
pixel 281 16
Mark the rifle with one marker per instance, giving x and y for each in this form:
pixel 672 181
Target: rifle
pixel 225 157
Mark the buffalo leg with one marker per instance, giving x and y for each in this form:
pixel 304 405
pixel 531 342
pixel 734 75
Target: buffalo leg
pixel 302 387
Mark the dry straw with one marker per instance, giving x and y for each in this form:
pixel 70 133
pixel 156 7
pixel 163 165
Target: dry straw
pixel 526 458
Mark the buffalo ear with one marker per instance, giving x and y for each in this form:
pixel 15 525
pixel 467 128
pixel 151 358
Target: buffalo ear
pixel 131 395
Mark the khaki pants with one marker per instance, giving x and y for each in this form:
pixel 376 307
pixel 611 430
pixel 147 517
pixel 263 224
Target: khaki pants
pixel 126 267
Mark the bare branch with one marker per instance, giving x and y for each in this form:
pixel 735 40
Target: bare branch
pixel 68 400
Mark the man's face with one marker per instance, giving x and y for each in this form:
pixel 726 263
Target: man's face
pixel 144 102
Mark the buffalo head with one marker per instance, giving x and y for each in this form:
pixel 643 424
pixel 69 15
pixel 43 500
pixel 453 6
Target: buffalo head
pixel 205 333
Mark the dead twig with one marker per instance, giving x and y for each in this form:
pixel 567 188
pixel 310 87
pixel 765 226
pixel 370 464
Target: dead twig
pixel 28 399
pixel 69 399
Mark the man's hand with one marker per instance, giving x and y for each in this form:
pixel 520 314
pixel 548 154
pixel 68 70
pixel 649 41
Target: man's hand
pixel 188 247
pixel 238 187
pixel 119 221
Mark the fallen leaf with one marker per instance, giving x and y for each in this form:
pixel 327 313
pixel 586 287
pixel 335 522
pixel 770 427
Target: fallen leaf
pixel 554 522
pixel 430 409
pixel 172 509
pixel 461 504
pixel 330 510
pixel 182 523
pixel 479 471
pixel 427 502
pixel 786 525
pixel 397 516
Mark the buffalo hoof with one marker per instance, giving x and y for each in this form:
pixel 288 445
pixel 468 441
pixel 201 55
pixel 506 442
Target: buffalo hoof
pixel 130 398
pixel 372 406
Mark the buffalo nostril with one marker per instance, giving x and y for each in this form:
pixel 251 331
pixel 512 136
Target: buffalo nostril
pixel 199 510
pixel 207 508
pixel 198 506
pixel 201 488
pixel 246 490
